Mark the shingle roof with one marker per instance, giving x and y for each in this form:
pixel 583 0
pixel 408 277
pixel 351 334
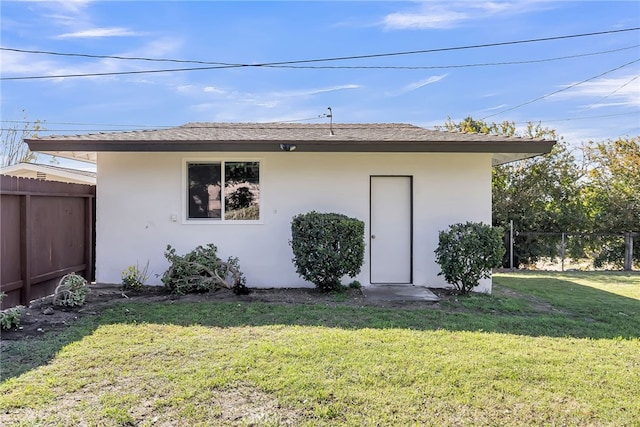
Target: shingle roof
pixel 390 132
pixel 268 137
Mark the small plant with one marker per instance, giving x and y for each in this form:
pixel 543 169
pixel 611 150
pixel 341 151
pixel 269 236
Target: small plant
pixel 326 247
pixel 10 317
pixel 355 285
pixel 202 271
pixel 71 291
pixel 467 253
pixel 133 278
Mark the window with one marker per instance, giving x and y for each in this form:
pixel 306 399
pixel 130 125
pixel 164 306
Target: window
pixel 225 190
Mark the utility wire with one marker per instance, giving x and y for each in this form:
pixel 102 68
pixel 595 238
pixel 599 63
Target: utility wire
pixel 118 73
pixel 281 64
pixel 591 117
pixel 328 66
pixel 613 93
pixel 84 124
pixel 339 58
pixel 321 116
pixel 430 67
pixel 126 58
pixel 561 90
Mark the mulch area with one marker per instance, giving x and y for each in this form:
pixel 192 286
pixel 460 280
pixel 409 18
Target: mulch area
pixel 42 316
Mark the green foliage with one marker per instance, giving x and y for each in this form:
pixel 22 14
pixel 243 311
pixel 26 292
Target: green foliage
pixel 71 291
pixel 133 278
pixel 355 285
pixel 595 192
pixel 327 246
pixel 202 271
pixel 467 253
pixel 613 189
pixel 10 317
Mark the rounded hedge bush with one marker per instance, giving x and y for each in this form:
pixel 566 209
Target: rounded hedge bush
pixel 467 253
pixel 326 247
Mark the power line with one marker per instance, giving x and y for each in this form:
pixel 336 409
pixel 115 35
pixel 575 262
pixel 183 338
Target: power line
pixel 117 73
pixel 430 67
pixel 601 116
pixel 339 58
pixel 123 127
pixel 284 64
pixel 84 124
pixel 327 66
pixel 614 92
pixel 561 90
pixel 127 58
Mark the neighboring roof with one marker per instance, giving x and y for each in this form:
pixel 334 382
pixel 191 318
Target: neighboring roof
pixel 265 137
pixel 50 172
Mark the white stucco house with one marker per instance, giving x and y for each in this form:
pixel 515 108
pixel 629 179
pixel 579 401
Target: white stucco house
pixel 180 186
pixel 50 173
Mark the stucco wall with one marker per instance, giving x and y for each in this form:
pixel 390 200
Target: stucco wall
pixel 139 193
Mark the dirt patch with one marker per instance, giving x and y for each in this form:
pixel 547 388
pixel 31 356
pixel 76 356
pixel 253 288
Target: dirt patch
pixel 42 316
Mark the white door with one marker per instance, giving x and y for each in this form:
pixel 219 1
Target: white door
pixel 391 229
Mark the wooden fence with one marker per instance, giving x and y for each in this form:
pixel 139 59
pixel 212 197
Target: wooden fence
pixel 47 231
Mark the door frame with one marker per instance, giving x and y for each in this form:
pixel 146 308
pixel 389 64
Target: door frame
pixel 411 229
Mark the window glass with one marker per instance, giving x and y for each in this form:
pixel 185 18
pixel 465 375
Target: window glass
pixel 242 190
pixel 235 183
pixel 204 190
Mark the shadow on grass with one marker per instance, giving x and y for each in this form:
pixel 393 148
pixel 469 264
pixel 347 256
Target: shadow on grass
pixel 576 311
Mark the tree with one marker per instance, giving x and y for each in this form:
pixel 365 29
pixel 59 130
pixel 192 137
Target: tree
pixel 544 193
pixel 613 196
pixel 614 184
pixel 14 149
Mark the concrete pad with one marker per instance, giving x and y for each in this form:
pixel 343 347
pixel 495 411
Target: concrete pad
pixel 398 293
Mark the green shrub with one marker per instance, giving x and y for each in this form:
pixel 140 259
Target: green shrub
pixel 71 291
pixel 133 278
pixel 467 253
pixel 202 271
pixel 10 317
pixel 327 246
pixel 355 285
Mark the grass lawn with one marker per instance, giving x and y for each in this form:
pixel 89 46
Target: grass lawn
pixel 545 349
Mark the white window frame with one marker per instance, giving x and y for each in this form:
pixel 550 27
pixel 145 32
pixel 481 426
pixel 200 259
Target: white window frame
pixel 184 192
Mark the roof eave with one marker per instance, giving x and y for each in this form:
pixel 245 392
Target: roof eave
pixel 83 146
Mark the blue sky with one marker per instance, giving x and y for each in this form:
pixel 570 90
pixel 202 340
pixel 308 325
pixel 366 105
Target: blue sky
pixel 585 107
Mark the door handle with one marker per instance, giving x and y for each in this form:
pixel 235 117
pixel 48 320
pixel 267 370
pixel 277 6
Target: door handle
pixel 373 236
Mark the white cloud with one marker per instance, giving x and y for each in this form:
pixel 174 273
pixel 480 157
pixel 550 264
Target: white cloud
pixel 98 33
pixel 624 90
pixel 225 104
pixel 439 15
pixel 309 92
pixel 418 21
pixel 423 83
pixel 75 17
pixel 211 89
pixel 497 107
pixel 73 6
pixel 22 63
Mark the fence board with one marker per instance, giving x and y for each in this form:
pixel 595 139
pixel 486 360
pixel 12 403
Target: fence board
pixel 48 231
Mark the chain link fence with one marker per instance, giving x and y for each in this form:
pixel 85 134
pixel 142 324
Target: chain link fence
pixel 572 251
